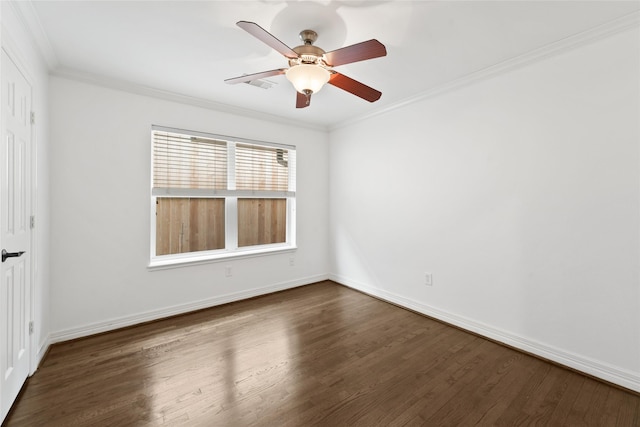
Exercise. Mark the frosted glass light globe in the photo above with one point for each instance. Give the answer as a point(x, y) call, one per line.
point(307, 77)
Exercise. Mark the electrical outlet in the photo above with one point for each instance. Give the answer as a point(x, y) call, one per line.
point(292, 261)
point(227, 271)
point(428, 279)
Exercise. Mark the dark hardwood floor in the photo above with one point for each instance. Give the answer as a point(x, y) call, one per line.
point(317, 355)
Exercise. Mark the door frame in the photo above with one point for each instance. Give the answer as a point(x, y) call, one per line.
point(13, 53)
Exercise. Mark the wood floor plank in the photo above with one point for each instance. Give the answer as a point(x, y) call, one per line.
point(628, 411)
point(316, 355)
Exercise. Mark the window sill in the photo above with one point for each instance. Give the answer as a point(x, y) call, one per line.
point(179, 261)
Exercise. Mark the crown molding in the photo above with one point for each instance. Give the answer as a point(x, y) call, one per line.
point(26, 13)
point(28, 16)
point(600, 32)
point(138, 89)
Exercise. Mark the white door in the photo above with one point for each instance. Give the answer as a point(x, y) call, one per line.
point(15, 233)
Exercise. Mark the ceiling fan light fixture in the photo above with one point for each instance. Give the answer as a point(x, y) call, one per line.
point(308, 77)
point(310, 67)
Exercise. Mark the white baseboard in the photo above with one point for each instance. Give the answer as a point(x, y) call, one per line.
point(621, 377)
point(615, 375)
point(111, 324)
point(40, 353)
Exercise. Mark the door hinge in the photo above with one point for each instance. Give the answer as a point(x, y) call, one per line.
point(33, 118)
point(31, 327)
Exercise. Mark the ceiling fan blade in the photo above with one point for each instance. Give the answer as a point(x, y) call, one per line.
point(302, 101)
point(266, 37)
point(356, 52)
point(354, 87)
point(255, 76)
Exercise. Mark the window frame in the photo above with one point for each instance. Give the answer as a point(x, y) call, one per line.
point(231, 196)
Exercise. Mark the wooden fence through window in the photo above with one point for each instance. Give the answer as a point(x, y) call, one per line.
point(198, 224)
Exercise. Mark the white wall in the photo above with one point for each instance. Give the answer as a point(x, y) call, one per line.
point(520, 193)
point(100, 179)
point(21, 48)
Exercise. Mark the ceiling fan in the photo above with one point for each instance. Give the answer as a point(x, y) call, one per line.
point(311, 67)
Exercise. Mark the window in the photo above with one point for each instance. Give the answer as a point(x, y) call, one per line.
point(214, 197)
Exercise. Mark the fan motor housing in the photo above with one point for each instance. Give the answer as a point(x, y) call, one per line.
point(308, 54)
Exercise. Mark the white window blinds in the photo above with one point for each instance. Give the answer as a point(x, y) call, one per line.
point(189, 162)
point(262, 168)
point(196, 164)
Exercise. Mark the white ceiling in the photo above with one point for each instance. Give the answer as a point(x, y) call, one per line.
point(189, 48)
